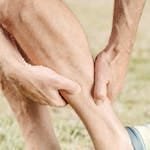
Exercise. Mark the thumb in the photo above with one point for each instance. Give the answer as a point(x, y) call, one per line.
point(56, 99)
point(68, 85)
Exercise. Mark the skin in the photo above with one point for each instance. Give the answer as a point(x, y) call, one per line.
point(112, 63)
point(46, 81)
point(33, 118)
point(51, 59)
point(29, 22)
point(21, 83)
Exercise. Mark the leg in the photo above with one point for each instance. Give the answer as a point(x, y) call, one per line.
point(64, 48)
point(50, 35)
point(33, 119)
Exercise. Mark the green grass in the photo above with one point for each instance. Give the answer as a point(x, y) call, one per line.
point(132, 105)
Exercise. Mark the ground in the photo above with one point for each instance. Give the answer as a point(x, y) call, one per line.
point(132, 106)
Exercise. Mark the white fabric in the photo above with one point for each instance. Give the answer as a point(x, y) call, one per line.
point(145, 133)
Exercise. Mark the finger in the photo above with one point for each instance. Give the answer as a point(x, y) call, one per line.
point(58, 81)
point(56, 99)
point(100, 90)
point(101, 81)
point(67, 85)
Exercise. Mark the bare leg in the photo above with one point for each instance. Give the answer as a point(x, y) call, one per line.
point(50, 35)
point(33, 118)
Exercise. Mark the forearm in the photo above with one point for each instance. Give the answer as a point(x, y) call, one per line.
point(126, 18)
point(112, 70)
point(112, 63)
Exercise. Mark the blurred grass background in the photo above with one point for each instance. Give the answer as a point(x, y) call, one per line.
point(133, 104)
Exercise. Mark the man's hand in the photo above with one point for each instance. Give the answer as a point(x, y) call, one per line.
point(41, 84)
point(47, 33)
point(110, 71)
point(111, 64)
point(38, 83)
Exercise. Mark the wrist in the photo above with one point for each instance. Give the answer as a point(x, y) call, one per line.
point(115, 51)
point(11, 68)
point(122, 41)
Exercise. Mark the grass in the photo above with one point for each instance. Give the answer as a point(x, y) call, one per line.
point(132, 105)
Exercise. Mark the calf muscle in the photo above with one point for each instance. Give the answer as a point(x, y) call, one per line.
point(33, 118)
point(50, 36)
